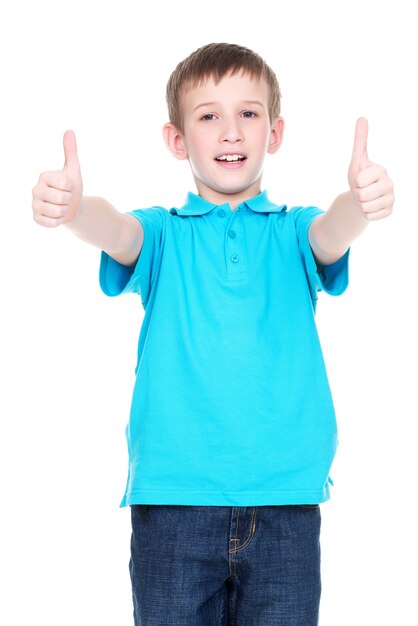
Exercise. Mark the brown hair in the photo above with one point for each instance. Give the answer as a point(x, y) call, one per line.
point(216, 60)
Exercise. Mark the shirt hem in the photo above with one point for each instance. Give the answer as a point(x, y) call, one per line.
point(230, 498)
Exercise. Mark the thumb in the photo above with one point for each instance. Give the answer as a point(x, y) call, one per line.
point(70, 151)
point(359, 158)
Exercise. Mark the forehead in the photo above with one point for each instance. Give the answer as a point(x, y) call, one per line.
point(237, 87)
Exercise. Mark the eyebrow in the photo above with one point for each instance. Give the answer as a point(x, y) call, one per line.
point(249, 102)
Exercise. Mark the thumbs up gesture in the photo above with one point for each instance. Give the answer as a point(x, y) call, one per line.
point(57, 196)
point(369, 182)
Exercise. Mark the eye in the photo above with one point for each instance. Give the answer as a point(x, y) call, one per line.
point(249, 114)
point(208, 117)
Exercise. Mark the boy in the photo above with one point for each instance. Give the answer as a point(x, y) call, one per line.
point(232, 429)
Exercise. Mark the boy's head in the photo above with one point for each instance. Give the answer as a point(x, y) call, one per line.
point(217, 60)
point(224, 107)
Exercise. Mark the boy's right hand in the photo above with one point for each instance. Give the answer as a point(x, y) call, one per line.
point(57, 196)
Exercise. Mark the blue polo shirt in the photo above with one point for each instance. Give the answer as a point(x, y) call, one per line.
point(231, 404)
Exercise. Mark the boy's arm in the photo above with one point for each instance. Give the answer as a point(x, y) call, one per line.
point(97, 222)
point(370, 198)
point(58, 199)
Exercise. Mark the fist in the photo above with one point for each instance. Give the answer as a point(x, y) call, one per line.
point(57, 196)
point(369, 182)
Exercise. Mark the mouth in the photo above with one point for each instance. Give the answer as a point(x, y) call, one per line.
point(230, 158)
point(233, 161)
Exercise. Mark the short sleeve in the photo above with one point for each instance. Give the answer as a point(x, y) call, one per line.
point(333, 278)
point(116, 278)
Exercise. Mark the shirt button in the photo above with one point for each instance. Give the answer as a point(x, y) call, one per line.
point(221, 213)
point(234, 258)
point(232, 234)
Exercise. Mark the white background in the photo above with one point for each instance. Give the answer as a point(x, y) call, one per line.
point(68, 352)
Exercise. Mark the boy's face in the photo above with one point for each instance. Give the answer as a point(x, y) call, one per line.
point(226, 135)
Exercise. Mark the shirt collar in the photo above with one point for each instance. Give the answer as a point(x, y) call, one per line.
point(196, 205)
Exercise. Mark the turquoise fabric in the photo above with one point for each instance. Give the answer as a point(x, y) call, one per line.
point(231, 404)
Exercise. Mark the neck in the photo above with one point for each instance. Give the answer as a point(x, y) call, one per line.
point(215, 196)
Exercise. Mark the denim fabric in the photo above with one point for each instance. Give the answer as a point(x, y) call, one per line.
point(225, 566)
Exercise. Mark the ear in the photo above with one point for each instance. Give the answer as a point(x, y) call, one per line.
point(276, 135)
point(174, 140)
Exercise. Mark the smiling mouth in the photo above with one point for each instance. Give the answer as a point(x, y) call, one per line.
point(231, 158)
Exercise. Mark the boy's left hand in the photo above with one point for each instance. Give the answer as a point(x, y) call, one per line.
point(369, 182)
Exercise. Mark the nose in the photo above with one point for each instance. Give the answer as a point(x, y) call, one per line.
point(231, 131)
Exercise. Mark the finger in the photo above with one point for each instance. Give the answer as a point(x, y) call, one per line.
point(70, 151)
point(56, 180)
point(372, 192)
point(380, 204)
point(48, 222)
point(360, 157)
point(54, 196)
point(373, 173)
point(378, 215)
point(47, 209)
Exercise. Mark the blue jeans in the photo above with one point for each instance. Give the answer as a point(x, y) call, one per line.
point(225, 566)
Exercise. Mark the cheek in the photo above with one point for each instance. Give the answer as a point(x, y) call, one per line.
point(199, 148)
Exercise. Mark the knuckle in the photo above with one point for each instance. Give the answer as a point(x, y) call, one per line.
point(362, 195)
point(36, 191)
point(361, 180)
point(64, 183)
point(366, 207)
point(57, 212)
point(35, 206)
point(44, 178)
point(62, 197)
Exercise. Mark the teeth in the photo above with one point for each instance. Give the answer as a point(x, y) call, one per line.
point(230, 157)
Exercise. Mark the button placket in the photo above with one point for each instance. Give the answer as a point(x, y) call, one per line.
point(234, 242)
